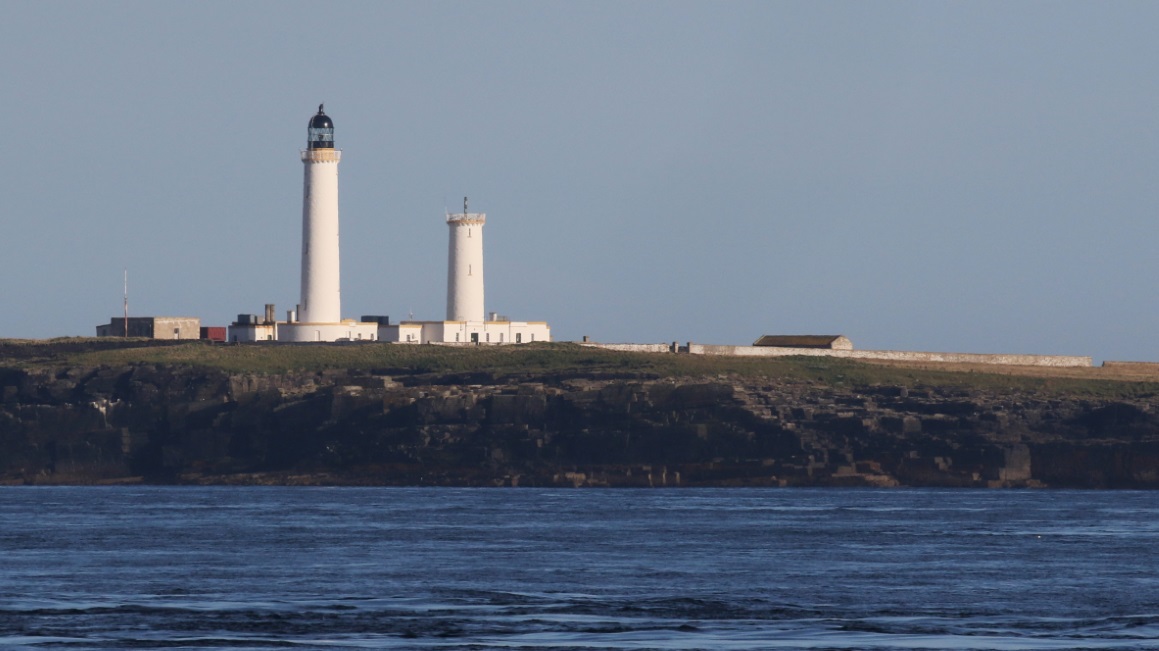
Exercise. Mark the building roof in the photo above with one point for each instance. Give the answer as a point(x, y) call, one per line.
point(321, 120)
point(801, 341)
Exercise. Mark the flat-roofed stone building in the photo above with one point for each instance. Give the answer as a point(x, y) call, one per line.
point(152, 327)
point(830, 342)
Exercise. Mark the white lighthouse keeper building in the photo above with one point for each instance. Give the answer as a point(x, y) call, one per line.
point(319, 315)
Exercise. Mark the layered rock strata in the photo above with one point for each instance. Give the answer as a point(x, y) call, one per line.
point(160, 424)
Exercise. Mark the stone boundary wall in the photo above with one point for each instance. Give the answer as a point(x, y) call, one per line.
point(1134, 366)
point(633, 348)
point(463, 344)
point(898, 355)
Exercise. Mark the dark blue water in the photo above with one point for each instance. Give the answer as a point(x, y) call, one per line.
point(273, 568)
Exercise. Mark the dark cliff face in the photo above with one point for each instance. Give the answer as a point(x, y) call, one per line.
point(167, 424)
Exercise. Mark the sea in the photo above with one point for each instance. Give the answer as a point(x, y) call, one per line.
point(526, 568)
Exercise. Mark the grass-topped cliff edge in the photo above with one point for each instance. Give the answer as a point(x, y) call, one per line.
point(87, 410)
point(566, 358)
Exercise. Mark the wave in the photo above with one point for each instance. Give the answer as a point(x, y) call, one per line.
point(502, 619)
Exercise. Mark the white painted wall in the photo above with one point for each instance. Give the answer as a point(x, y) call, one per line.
point(342, 331)
point(409, 332)
point(250, 332)
point(321, 296)
point(460, 332)
point(526, 332)
point(465, 267)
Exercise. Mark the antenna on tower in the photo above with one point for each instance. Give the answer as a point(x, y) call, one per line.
point(464, 206)
point(126, 302)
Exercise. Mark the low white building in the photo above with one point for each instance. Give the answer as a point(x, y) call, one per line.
point(496, 331)
point(250, 327)
point(298, 332)
point(347, 330)
point(243, 332)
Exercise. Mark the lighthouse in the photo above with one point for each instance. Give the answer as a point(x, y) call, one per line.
point(319, 314)
point(465, 266)
point(321, 297)
point(466, 321)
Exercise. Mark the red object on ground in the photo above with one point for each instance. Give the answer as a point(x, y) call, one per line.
point(213, 333)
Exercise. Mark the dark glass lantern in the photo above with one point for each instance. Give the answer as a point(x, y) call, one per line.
point(321, 131)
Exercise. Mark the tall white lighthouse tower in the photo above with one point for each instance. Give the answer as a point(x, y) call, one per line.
point(321, 297)
point(465, 266)
point(319, 315)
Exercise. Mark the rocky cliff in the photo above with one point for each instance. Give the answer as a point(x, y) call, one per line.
point(177, 424)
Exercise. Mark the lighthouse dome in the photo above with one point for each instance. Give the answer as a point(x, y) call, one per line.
point(321, 131)
point(321, 121)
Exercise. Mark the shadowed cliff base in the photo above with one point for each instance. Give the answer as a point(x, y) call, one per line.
point(86, 411)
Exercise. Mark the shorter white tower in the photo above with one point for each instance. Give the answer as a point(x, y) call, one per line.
point(465, 266)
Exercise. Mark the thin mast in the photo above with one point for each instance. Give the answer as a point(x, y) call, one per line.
point(126, 302)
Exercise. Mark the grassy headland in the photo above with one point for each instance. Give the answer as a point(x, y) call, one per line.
point(567, 359)
point(552, 414)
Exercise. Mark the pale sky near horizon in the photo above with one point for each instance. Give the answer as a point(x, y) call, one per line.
point(946, 176)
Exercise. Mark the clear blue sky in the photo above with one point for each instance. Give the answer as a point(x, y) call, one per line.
point(972, 177)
